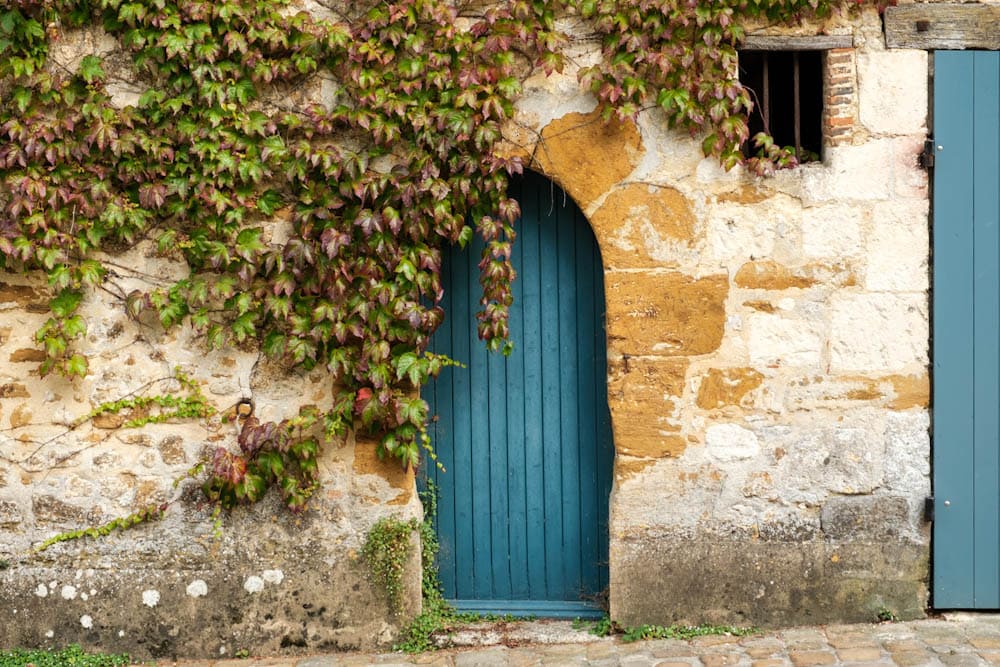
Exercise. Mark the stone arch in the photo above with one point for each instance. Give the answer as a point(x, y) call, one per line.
point(657, 316)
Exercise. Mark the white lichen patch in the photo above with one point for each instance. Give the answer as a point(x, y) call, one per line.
point(253, 584)
point(273, 576)
point(197, 588)
point(41, 591)
point(151, 598)
point(84, 596)
point(86, 621)
point(68, 592)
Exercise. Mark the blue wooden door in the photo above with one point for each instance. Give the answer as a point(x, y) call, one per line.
point(526, 440)
point(966, 428)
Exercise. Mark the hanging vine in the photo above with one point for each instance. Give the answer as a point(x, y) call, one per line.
point(399, 164)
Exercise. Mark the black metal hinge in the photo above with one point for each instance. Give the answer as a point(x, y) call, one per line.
point(929, 508)
point(926, 159)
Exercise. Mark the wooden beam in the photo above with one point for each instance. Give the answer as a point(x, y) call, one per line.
point(943, 26)
point(797, 42)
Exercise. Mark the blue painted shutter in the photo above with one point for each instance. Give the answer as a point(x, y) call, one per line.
point(967, 330)
point(526, 439)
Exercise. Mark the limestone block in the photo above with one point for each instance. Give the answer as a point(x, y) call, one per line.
point(667, 494)
point(908, 450)
point(850, 173)
point(810, 464)
point(50, 510)
point(10, 514)
point(644, 396)
point(776, 340)
point(28, 297)
point(736, 232)
point(172, 450)
point(909, 179)
point(898, 247)
point(724, 387)
point(73, 45)
point(865, 518)
point(665, 313)
point(672, 155)
point(892, 91)
point(731, 442)
point(873, 333)
point(711, 172)
point(832, 231)
point(682, 578)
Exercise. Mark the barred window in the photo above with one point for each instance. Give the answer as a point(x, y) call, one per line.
point(787, 90)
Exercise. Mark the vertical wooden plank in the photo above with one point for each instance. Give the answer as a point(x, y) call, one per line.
point(443, 404)
point(986, 290)
point(569, 407)
point(530, 278)
point(954, 362)
point(517, 470)
point(499, 477)
point(551, 417)
point(462, 472)
point(605, 441)
point(587, 392)
point(479, 402)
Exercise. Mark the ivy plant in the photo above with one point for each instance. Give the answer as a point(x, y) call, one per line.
point(371, 184)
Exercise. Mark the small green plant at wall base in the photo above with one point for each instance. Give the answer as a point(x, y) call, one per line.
point(71, 655)
point(387, 550)
point(606, 627)
point(682, 632)
point(437, 616)
point(885, 615)
point(599, 628)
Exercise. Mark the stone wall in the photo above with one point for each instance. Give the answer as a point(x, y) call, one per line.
point(768, 350)
point(768, 382)
point(263, 580)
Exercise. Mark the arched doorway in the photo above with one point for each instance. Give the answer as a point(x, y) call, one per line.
point(526, 440)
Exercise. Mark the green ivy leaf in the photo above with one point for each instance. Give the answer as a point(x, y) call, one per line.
point(269, 201)
point(66, 303)
point(248, 243)
point(76, 365)
point(90, 69)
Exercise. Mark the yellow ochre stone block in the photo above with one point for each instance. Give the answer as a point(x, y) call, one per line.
point(587, 155)
point(638, 225)
point(665, 313)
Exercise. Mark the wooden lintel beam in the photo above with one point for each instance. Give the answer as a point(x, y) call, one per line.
point(797, 42)
point(943, 26)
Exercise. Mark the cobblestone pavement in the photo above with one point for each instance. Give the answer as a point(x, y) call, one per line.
point(963, 639)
